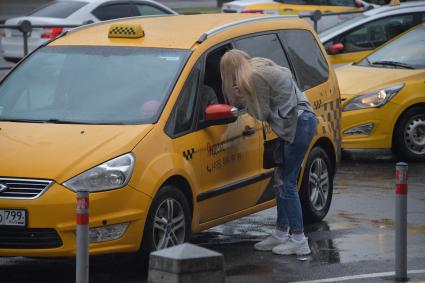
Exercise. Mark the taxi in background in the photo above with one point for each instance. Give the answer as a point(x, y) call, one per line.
point(384, 98)
point(354, 39)
point(132, 110)
point(294, 7)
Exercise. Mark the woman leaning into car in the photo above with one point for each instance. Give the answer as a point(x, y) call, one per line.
point(269, 93)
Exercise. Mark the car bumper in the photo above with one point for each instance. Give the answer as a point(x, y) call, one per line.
point(14, 47)
point(382, 121)
point(54, 211)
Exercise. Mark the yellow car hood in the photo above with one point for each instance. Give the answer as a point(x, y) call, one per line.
point(60, 152)
point(355, 80)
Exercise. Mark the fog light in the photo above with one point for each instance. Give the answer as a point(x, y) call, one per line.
point(107, 233)
point(365, 129)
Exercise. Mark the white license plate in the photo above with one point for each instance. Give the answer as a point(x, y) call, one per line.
point(16, 33)
point(13, 217)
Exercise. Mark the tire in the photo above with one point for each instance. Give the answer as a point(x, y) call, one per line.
point(409, 135)
point(316, 195)
point(160, 232)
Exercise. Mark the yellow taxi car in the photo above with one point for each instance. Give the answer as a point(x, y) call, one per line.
point(290, 7)
point(133, 111)
point(354, 39)
point(384, 98)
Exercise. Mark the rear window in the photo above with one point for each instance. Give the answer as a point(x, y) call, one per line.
point(58, 9)
point(310, 66)
point(91, 84)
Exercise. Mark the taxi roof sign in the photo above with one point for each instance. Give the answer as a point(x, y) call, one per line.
point(126, 31)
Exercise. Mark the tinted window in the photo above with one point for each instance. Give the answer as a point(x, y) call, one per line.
point(115, 11)
point(182, 118)
point(348, 3)
point(145, 10)
point(267, 46)
point(309, 64)
point(116, 85)
point(61, 9)
point(373, 34)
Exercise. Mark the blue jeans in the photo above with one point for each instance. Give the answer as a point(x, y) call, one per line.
point(289, 212)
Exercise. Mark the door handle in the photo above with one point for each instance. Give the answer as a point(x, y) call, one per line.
point(248, 131)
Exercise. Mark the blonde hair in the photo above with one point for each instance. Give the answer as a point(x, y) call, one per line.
point(235, 67)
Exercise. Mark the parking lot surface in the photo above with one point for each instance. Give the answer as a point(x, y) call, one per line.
point(355, 242)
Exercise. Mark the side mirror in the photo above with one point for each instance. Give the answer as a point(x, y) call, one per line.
point(358, 4)
point(336, 48)
point(220, 114)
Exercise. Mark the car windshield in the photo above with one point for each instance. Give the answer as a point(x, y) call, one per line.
point(407, 51)
point(344, 3)
point(91, 84)
point(340, 25)
point(58, 9)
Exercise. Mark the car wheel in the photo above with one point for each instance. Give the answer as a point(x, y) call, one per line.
point(409, 139)
point(169, 221)
point(317, 186)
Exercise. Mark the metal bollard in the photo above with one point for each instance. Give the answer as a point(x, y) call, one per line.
point(82, 262)
point(401, 222)
point(25, 27)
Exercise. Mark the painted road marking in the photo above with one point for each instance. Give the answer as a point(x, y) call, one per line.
point(360, 276)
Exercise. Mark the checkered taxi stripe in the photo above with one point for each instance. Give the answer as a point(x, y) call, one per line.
point(330, 112)
point(188, 154)
point(126, 31)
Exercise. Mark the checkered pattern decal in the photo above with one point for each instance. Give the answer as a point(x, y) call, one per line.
point(188, 154)
point(330, 112)
point(129, 31)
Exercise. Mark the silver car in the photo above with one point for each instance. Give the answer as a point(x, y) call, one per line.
point(72, 12)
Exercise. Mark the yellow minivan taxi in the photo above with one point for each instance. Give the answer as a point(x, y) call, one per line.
point(133, 111)
point(384, 98)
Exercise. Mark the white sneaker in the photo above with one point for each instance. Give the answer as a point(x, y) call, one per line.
point(270, 242)
point(293, 247)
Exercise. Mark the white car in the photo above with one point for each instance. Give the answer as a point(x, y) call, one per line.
point(357, 37)
point(72, 12)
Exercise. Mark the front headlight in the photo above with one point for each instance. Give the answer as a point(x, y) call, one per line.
point(373, 99)
point(113, 174)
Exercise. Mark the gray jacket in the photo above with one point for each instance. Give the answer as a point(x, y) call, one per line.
point(279, 98)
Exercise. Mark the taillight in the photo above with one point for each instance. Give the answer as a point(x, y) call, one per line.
point(51, 32)
point(254, 11)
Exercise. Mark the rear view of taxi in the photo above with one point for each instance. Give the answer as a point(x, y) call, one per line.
point(133, 111)
point(384, 98)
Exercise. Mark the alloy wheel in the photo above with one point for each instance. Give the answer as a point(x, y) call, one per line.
point(169, 224)
point(319, 183)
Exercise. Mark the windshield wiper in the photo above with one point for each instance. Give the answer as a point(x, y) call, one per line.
point(52, 121)
point(393, 63)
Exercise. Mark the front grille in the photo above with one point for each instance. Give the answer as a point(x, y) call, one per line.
point(30, 238)
point(11, 188)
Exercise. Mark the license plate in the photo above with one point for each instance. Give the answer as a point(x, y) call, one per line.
point(16, 33)
point(13, 217)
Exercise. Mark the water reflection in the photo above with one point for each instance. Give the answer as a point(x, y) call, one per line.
point(236, 239)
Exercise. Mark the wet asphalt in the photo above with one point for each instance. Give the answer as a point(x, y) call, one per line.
point(356, 238)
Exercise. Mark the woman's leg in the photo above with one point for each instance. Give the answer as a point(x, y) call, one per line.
point(289, 205)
